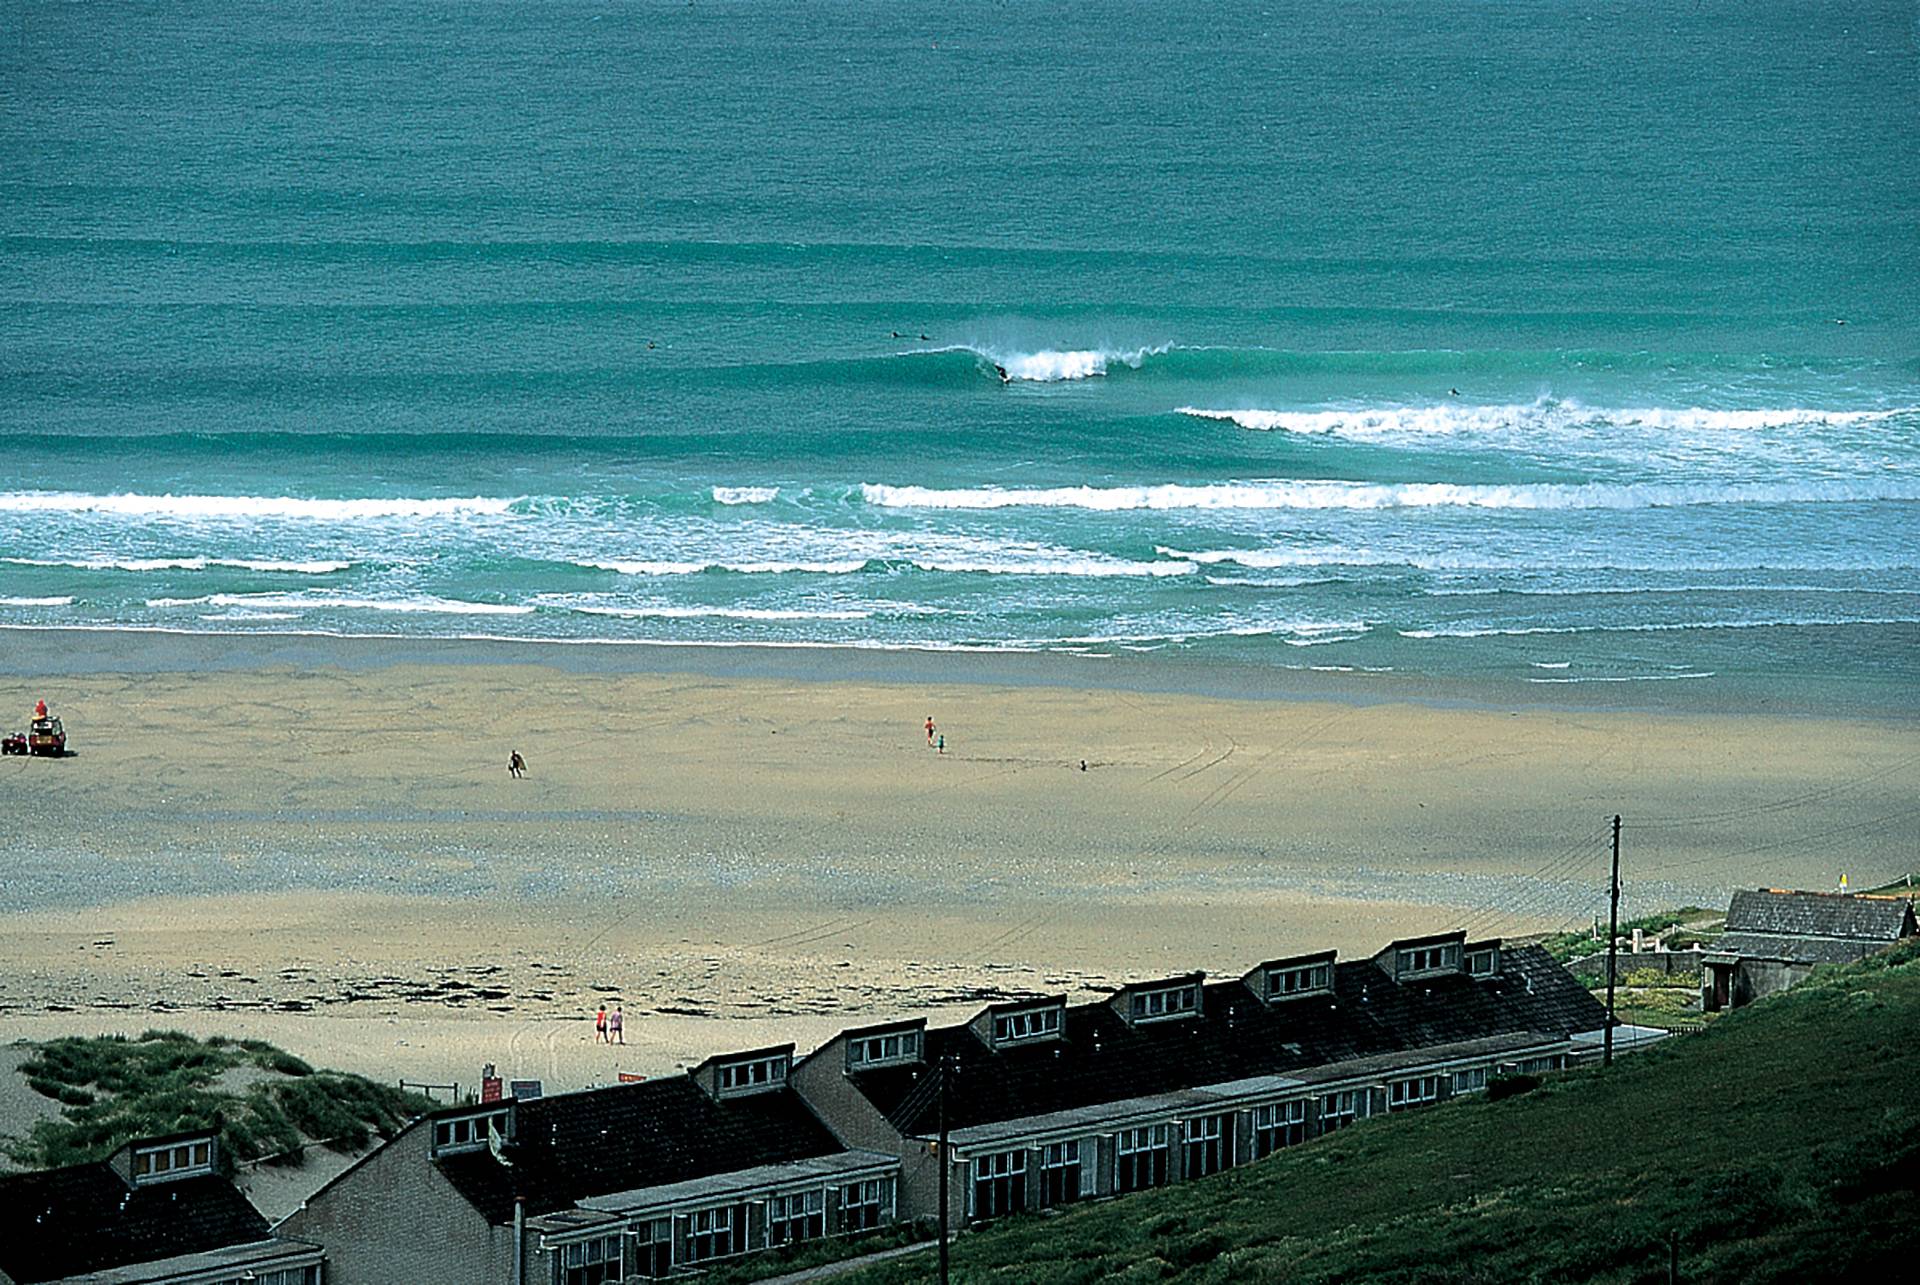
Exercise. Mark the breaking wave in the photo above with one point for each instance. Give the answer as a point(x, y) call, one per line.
point(1374, 495)
point(1373, 423)
point(36, 602)
point(245, 506)
point(745, 494)
point(421, 603)
point(314, 568)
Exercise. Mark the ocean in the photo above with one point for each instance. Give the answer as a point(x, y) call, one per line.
point(1528, 345)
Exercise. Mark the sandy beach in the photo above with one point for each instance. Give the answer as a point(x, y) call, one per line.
point(328, 851)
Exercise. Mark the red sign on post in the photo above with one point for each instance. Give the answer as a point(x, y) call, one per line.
point(628, 1077)
point(490, 1088)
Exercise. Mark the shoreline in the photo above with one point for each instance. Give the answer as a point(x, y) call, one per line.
point(92, 650)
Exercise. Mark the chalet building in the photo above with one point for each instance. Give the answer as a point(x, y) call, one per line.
point(1049, 1103)
point(640, 1180)
point(156, 1212)
point(1775, 939)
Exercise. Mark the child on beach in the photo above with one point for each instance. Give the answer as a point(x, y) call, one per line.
point(616, 1027)
point(600, 1025)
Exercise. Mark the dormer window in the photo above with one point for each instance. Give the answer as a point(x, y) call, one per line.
point(174, 1160)
point(1427, 958)
point(888, 1048)
point(468, 1133)
point(1164, 1003)
point(1311, 979)
point(1483, 961)
point(756, 1076)
point(1027, 1024)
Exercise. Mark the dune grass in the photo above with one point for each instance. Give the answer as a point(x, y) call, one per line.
point(113, 1089)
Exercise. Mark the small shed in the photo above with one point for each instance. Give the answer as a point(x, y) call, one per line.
point(1775, 938)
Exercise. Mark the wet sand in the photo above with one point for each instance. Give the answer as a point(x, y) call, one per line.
point(330, 854)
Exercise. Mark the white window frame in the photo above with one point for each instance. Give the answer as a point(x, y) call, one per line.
point(1010, 1166)
point(1470, 1079)
point(809, 1208)
point(877, 1194)
point(1272, 1123)
point(715, 1224)
point(750, 1077)
point(1342, 1107)
point(1416, 1091)
point(1142, 1141)
point(1304, 979)
point(175, 1160)
point(1079, 1154)
point(1026, 1024)
point(577, 1256)
point(1480, 963)
point(1165, 1003)
point(883, 1050)
point(1201, 1130)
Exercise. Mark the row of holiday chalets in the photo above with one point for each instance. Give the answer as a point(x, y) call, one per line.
point(1042, 1104)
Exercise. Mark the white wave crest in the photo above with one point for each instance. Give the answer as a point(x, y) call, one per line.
point(244, 507)
point(722, 613)
point(1372, 495)
point(420, 603)
point(1089, 566)
point(745, 494)
point(1052, 366)
point(1657, 627)
point(315, 568)
point(1375, 422)
point(633, 568)
point(36, 602)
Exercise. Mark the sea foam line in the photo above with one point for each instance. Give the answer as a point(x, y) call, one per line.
point(1518, 631)
point(242, 507)
point(36, 602)
point(1371, 495)
point(721, 613)
point(1367, 423)
point(424, 603)
point(313, 568)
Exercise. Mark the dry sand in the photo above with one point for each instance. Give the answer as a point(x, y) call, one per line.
point(333, 857)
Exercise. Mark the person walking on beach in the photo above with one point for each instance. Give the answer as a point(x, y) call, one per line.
point(600, 1025)
point(516, 766)
point(929, 731)
point(940, 744)
point(617, 1027)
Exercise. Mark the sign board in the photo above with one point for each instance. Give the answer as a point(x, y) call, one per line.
point(628, 1077)
point(523, 1090)
point(490, 1088)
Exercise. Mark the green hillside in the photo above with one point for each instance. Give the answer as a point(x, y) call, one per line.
point(1781, 1144)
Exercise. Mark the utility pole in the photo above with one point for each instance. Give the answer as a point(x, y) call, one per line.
point(1613, 942)
point(946, 1062)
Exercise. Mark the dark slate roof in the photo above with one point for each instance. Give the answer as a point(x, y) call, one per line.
point(1820, 914)
point(87, 1218)
point(574, 1145)
point(1099, 1058)
point(1798, 950)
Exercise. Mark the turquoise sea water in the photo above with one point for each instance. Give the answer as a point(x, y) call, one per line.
point(1496, 341)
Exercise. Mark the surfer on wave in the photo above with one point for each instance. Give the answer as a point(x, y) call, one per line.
point(1001, 371)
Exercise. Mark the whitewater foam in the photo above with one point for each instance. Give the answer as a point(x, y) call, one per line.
point(314, 568)
point(720, 613)
point(1052, 366)
point(631, 568)
point(1374, 423)
point(421, 603)
point(1374, 495)
point(745, 494)
point(245, 507)
point(36, 602)
point(1657, 627)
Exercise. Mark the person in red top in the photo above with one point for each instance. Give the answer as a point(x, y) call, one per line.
point(929, 731)
point(600, 1025)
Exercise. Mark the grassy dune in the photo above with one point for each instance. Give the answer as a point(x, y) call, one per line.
point(266, 1103)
